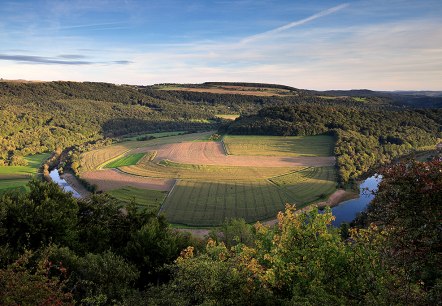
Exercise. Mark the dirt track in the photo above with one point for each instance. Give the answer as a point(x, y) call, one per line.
point(112, 179)
point(212, 153)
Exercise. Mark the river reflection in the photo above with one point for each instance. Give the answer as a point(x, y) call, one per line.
point(55, 176)
point(347, 211)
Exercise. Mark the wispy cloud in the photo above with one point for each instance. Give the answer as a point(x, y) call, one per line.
point(71, 56)
point(295, 23)
point(66, 59)
point(92, 25)
point(40, 60)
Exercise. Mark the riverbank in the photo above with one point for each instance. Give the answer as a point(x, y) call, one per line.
point(72, 180)
point(338, 197)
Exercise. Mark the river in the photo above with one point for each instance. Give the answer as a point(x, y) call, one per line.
point(347, 210)
point(55, 176)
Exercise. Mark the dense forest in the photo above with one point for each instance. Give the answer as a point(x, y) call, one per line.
point(39, 117)
point(365, 138)
point(57, 250)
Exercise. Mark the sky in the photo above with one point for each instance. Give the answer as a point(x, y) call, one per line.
point(374, 44)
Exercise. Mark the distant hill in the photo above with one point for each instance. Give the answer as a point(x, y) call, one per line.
point(417, 99)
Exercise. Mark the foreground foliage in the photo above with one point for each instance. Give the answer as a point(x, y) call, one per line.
point(57, 250)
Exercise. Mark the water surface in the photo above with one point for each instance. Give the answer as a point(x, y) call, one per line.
point(55, 176)
point(347, 210)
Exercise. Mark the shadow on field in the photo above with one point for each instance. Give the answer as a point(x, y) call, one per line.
point(196, 203)
point(124, 126)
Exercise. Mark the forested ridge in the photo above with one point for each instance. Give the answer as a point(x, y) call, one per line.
point(56, 250)
point(39, 117)
point(370, 130)
point(365, 138)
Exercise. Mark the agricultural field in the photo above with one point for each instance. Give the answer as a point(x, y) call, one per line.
point(307, 146)
point(232, 89)
point(94, 159)
point(127, 160)
point(144, 198)
point(198, 203)
point(308, 185)
point(172, 170)
point(227, 117)
point(17, 177)
point(206, 185)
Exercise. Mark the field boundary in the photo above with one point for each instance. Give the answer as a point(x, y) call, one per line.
point(226, 151)
point(101, 166)
point(167, 196)
point(288, 173)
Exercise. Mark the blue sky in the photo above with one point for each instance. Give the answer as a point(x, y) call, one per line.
point(383, 45)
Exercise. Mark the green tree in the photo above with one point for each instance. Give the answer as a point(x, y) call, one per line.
point(46, 214)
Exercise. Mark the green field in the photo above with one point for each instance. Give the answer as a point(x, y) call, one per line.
point(17, 177)
point(197, 203)
point(149, 199)
point(320, 145)
point(308, 185)
point(34, 162)
point(127, 160)
point(13, 184)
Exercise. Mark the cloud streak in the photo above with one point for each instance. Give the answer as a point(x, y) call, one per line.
point(295, 23)
point(71, 59)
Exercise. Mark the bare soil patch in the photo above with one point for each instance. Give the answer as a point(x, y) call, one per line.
point(212, 153)
point(337, 197)
point(113, 179)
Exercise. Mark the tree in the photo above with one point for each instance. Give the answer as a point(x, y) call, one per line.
point(46, 214)
point(407, 208)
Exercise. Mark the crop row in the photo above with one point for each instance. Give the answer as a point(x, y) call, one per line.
point(197, 203)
